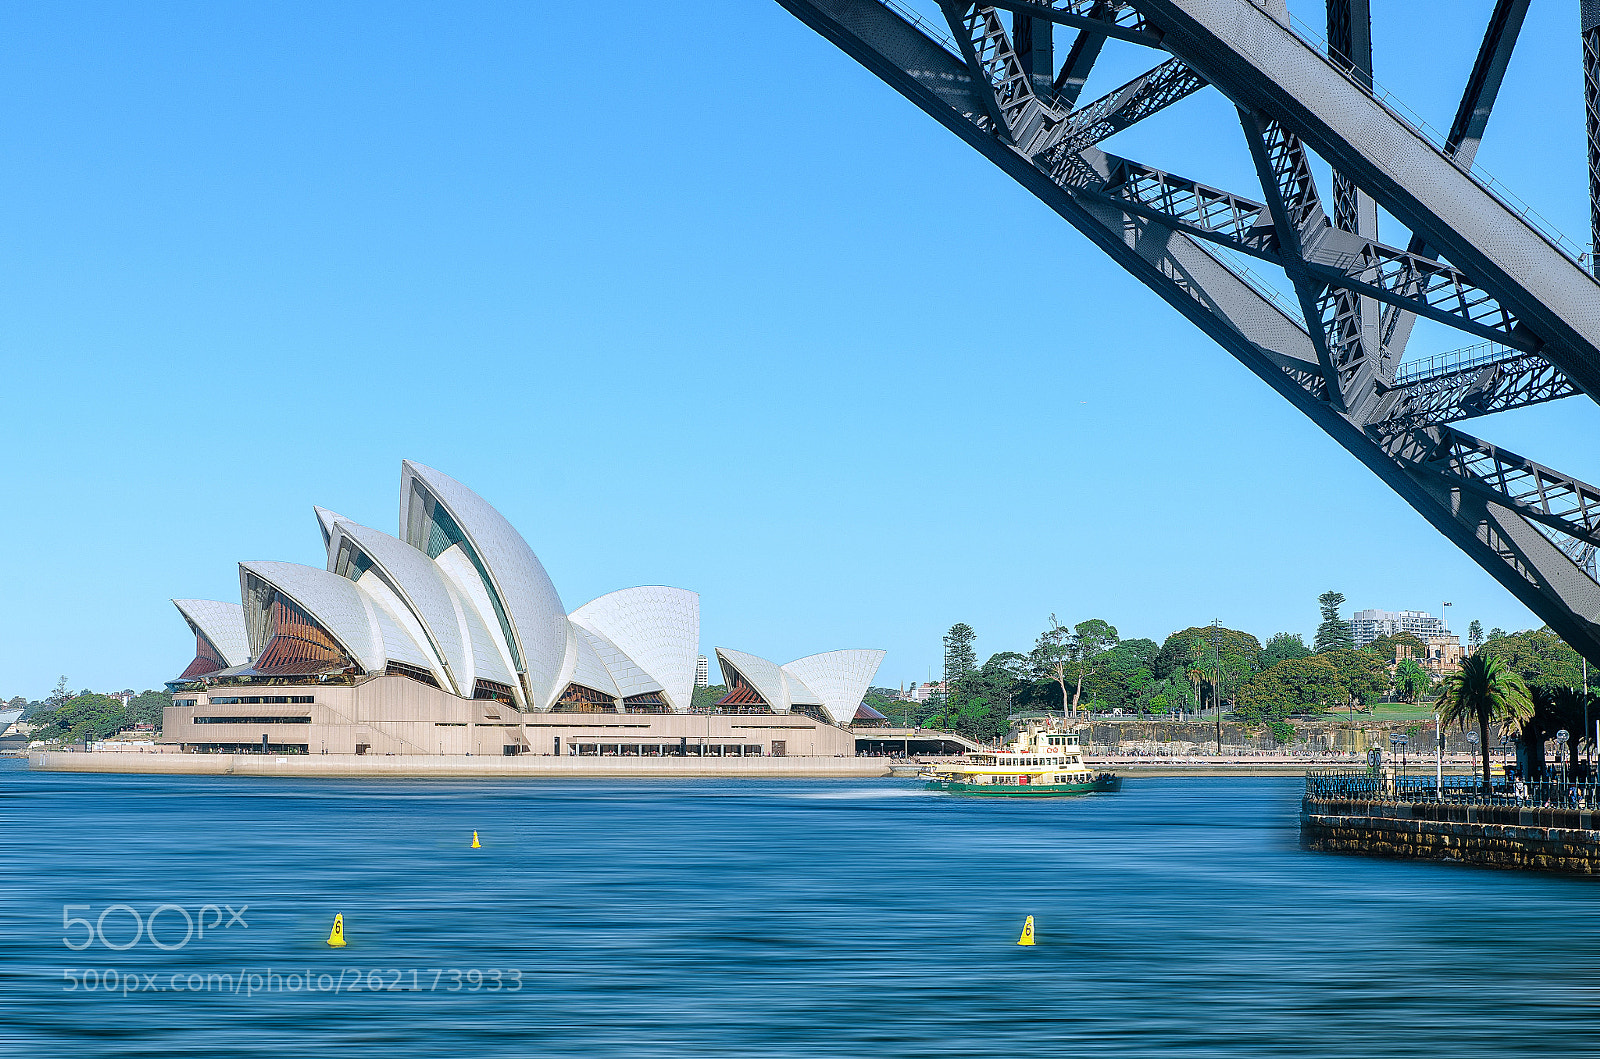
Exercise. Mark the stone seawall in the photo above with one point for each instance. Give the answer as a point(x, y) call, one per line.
point(347, 766)
point(1563, 840)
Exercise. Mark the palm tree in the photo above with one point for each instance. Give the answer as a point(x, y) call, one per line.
point(1484, 689)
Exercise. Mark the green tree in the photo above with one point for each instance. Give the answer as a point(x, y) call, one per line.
point(148, 707)
point(85, 716)
point(1263, 698)
point(1282, 647)
point(1334, 632)
point(1051, 656)
point(1539, 657)
point(1411, 681)
point(707, 697)
point(1365, 679)
point(959, 656)
point(1314, 683)
point(1295, 685)
point(1180, 651)
point(1553, 709)
point(1090, 639)
point(983, 706)
point(1122, 676)
point(1165, 696)
point(1484, 689)
point(1474, 635)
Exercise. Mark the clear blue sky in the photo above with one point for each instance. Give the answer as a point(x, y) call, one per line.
point(688, 295)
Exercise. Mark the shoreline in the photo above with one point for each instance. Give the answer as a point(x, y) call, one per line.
point(346, 766)
point(416, 766)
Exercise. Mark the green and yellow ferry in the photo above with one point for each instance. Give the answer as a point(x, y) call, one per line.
point(1042, 761)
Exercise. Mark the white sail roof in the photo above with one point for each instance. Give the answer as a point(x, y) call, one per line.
point(761, 674)
point(657, 628)
point(222, 624)
point(841, 678)
point(325, 521)
point(332, 601)
point(630, 679)
point(422, 588)
point(518, 582)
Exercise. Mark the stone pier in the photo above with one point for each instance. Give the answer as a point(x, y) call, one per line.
point(1498, 836)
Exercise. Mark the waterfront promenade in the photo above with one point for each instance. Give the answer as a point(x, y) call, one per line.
point(418, 766)
point(1540, 826)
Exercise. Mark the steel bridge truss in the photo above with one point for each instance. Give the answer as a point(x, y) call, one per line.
point(1471, 262)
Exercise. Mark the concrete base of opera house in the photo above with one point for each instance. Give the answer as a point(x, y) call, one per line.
point(419, 766)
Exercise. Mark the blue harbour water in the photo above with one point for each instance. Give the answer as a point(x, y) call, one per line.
point(757, 918)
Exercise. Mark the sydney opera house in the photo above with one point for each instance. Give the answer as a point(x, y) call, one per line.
point(451, 639)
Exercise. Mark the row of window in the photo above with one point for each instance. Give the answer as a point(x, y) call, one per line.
point(254, 700)
point(245, 748)
point(252, 720)
point(666, 750)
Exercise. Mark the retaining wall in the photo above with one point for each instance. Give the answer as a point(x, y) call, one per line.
point(1564, 840)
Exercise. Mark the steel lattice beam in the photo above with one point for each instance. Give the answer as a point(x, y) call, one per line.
point(1529, 526)
point(1516, 381)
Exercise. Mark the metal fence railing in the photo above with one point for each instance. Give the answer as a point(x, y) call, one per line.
point(1391, 785)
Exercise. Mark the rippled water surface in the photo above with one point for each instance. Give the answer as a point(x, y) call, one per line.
point(734, 918)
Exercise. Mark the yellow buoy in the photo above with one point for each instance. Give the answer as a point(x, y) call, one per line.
point(1027, 933)
point(336, 935)
point(475, 843)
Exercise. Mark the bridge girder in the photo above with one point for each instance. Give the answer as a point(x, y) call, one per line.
point(1471, 261)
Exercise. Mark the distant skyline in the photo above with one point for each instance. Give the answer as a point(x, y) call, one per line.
point(686, 324)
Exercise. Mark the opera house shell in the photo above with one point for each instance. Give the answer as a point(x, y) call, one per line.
point(451, 638)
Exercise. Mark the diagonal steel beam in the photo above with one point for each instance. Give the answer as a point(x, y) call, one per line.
point(1483, 84)
point(1034, 39)
point(1540, 493)
point(1204, 212)
point(1261, 63)
point(1333, 258)
point(1466, 133)
point(1080, 60)
point(1297, 216)
point(1350, 46)
point(1147, 94)
point(1227, 308)
point(991, 61)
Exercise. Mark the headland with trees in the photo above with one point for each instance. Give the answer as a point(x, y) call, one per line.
point(1088, 668)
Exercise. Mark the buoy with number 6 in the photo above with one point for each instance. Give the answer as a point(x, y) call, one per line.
point(475, 843)
point(1027, 933)
point(336, 935)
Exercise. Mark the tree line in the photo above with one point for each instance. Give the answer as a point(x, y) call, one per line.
point(1088, 666)
point(74, 716)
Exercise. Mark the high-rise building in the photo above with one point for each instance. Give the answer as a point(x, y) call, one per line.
point(702, 672)
point(1368, 625)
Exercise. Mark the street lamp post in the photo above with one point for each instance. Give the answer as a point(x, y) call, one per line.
point(1472, 737)
point(1561, 744)
point(1216, 689)
point(1438, 759)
